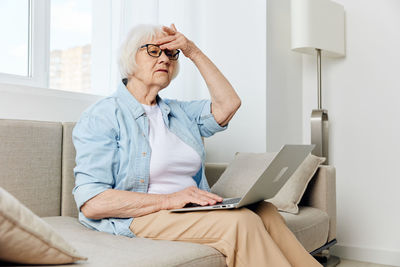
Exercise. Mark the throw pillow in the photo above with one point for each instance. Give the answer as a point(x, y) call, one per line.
point(25, 238)
point(288, 198)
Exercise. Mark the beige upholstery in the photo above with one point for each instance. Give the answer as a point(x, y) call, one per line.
point(310, 226)
point(30, 162)
point(68, 206)
point(213, 172)
point(321, 194)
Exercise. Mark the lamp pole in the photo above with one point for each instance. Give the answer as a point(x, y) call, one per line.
point(319, 120)
point(319, 77)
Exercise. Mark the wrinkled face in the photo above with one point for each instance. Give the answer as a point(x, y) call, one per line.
point(154, 70)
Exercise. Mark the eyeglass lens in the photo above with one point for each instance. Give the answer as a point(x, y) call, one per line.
point(155, 51)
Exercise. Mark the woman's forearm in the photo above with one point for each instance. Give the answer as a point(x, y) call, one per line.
point(125, 204)
point(225, 100)
point(122, 204)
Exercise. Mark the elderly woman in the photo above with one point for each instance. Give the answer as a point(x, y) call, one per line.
point(139, 155)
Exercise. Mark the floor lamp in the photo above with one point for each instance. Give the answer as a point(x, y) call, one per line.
point(317, 28)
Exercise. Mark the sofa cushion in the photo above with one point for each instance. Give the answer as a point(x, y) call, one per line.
point(26, 238)
point(30, 160)
point(103, 249)
point(310, 226)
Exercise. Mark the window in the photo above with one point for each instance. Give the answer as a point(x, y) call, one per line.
point(70, 45)
point(48, 44)
point(15, 43)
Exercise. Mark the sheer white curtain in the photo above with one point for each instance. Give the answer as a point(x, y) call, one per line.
point(112, 20)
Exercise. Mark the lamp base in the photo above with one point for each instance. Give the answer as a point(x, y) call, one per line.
point(326, 259)
point(320, 133)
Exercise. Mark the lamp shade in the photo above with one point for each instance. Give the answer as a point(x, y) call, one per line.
point(317, 24)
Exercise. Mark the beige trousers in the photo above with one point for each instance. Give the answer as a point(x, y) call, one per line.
point(253, 236)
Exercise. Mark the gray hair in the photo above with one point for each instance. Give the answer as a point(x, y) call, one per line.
point(135, 38)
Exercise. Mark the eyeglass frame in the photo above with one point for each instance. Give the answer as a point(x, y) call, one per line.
point(162, 50)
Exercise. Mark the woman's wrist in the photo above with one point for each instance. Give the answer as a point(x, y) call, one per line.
point(192, 51)
point(164, 201)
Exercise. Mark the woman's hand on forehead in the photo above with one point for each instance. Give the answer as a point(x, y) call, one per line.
point(176, 40)
point(170, 30)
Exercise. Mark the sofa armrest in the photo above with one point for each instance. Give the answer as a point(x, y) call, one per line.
point(213, 172)
point(321, 194)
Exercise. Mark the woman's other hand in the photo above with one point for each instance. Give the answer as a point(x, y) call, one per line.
point(191, 194)
point(176, 40)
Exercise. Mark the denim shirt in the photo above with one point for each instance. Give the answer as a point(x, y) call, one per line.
point(113, 149)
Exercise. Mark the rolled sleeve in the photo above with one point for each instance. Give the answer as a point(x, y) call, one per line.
point(85, 192)
point(200, 111)
point(114, 226)
point(208, 124)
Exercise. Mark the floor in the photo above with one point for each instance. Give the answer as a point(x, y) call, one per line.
point(332, 261)
point(351, 263)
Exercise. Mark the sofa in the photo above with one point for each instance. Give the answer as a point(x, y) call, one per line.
point(37, 160)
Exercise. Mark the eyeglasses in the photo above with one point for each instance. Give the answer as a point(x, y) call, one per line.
point(155, 51)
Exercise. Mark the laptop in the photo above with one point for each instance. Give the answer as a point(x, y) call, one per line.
point(281, 168)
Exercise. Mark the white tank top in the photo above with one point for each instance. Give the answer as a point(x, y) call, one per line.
point(173, 163)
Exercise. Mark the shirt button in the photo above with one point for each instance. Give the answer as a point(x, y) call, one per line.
point(141, 180)
point(144, 154)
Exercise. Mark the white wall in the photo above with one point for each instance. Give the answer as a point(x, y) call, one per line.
point(30, 103)
point(233, 31)
point(362, 94)
point(284, 80)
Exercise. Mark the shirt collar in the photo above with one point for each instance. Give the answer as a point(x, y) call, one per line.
point(125, 96)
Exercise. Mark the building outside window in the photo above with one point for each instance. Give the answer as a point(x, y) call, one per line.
point(70, 45)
